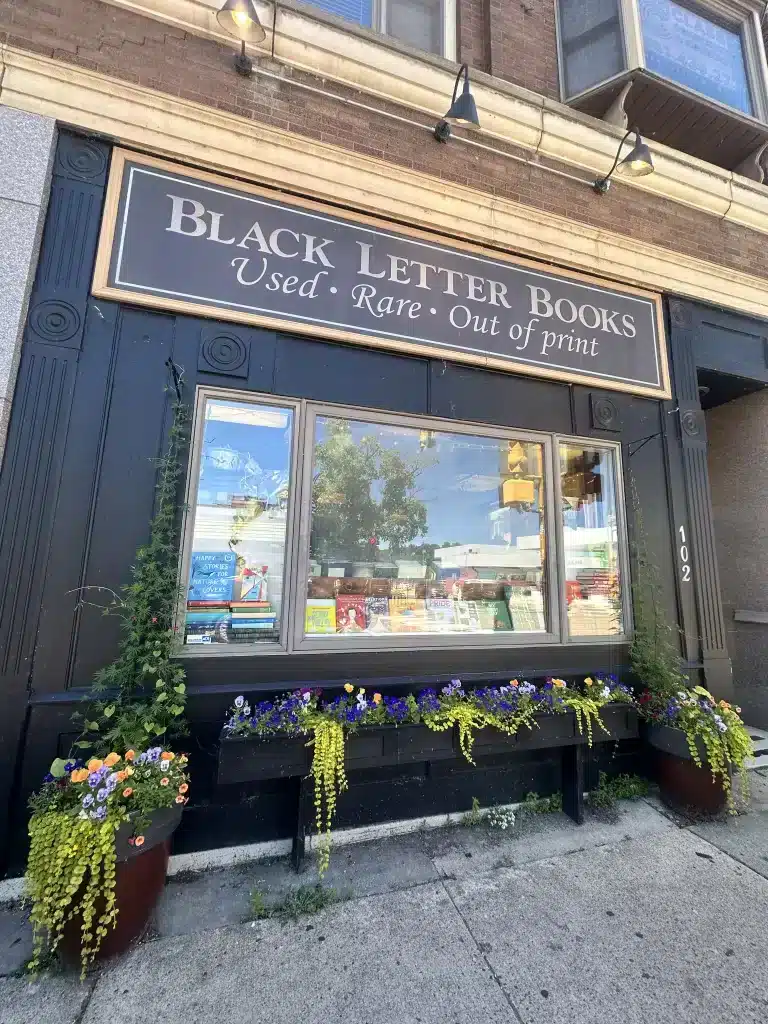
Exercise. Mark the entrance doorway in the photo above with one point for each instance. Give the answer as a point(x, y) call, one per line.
point(736, 411)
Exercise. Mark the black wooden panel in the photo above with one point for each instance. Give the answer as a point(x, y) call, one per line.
point(350, 375)
point(71, 526)
point(731, 344)
point(685, 332)
point(221, 355)
point(464, 393)
point(28, 490)
point(124, 493)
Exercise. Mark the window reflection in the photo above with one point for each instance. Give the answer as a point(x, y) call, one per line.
point(237, 562)
point(590, 541)
point(424, 532)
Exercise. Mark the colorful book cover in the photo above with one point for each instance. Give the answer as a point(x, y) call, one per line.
point(213, 605)
point(407, 616)
point(212, 576)
point(350, 613)
point(440, 615)
point(320, 616)
point(377, 615)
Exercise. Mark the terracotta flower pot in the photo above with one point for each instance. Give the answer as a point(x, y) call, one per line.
point(682, 783)
point(139, 880)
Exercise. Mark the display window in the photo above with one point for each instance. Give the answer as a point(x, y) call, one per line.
point(313, 527)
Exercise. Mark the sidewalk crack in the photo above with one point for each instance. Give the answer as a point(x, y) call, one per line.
point(86, 1003)
point(483, 954)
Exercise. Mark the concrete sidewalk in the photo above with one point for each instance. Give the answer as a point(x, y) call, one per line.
point(640, 919)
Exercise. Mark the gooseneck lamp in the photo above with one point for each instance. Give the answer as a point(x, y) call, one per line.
point(634, 165)
point(462, 110)
point(239, 19)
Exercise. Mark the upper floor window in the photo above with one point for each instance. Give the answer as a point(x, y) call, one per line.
point(426, 24)
point(692, 46)
point(691, 74)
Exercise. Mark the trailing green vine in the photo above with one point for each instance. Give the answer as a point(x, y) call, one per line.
point(141, 696)
point(330, 780)
point(71, 874)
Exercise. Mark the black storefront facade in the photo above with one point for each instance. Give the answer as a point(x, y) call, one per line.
point(92, 410)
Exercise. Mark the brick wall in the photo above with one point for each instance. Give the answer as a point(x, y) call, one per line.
point(523, 44)
point(136, 49)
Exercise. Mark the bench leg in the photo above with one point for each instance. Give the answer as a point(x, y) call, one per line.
point(303, 809)
point(573, 782)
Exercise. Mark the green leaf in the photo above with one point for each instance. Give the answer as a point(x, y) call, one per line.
point(181, 688)
point(108, 712)
point(149, 726)
point(83, 743)
point(92, 726)
point(159, 730)
point(161, 697)
point(57, 768)
point(176, 710)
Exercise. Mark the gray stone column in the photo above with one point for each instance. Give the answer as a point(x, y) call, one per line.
point(27, 143)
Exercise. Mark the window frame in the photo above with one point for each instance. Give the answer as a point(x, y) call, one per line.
point(732, 14)
point(394, 641)
point(623, 541)
point(204, 393)
point(292, 639)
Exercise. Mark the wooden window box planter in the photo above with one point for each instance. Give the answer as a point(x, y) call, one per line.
point(254, 759)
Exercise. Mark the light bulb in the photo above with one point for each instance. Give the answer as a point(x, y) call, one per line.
point(241, 18)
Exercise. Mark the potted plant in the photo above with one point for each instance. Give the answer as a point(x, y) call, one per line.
point(99, 846)
point(100, 825)
point(697, 741)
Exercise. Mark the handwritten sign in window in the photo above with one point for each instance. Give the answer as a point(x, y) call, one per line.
point(691, 49)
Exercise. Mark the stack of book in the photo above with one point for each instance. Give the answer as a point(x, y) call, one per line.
point(206, 622)
point(252, 621)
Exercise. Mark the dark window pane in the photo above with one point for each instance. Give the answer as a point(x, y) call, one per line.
point(424, 532)
point(591, 43)
point(354, 10)
point(418, 22)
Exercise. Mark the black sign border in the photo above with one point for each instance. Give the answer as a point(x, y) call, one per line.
point(101, 287)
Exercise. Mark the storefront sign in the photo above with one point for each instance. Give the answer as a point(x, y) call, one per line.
point(194, 242)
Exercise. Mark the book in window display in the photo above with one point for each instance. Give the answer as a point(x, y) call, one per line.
point(350, 613)
point(408, 616)
point(440, 615)
point(320, 616)
point(526, 609)
point(377, 615)
point(212, 576)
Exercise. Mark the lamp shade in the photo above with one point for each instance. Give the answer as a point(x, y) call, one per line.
point(463, 110)
point(638, 162)
point(239, 19)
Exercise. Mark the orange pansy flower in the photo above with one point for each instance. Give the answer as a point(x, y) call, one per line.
point(139, 841)
point(111, 759)
point(183, 787)
point(167, 756)
point(129, 755)
point(94, 764)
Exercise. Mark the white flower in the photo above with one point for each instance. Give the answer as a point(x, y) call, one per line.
point(306, 697)
point(361, 701)
point(239, 701)
point(606, 692)
point(165, 765)
point(246, 709)
point(682, 695)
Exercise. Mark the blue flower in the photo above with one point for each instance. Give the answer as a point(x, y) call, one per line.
point(102, 795)
point(154, 753)
point(94, 780)
point(87, 800)
point(70, 766)
point(99, 814)
point(48, 777)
